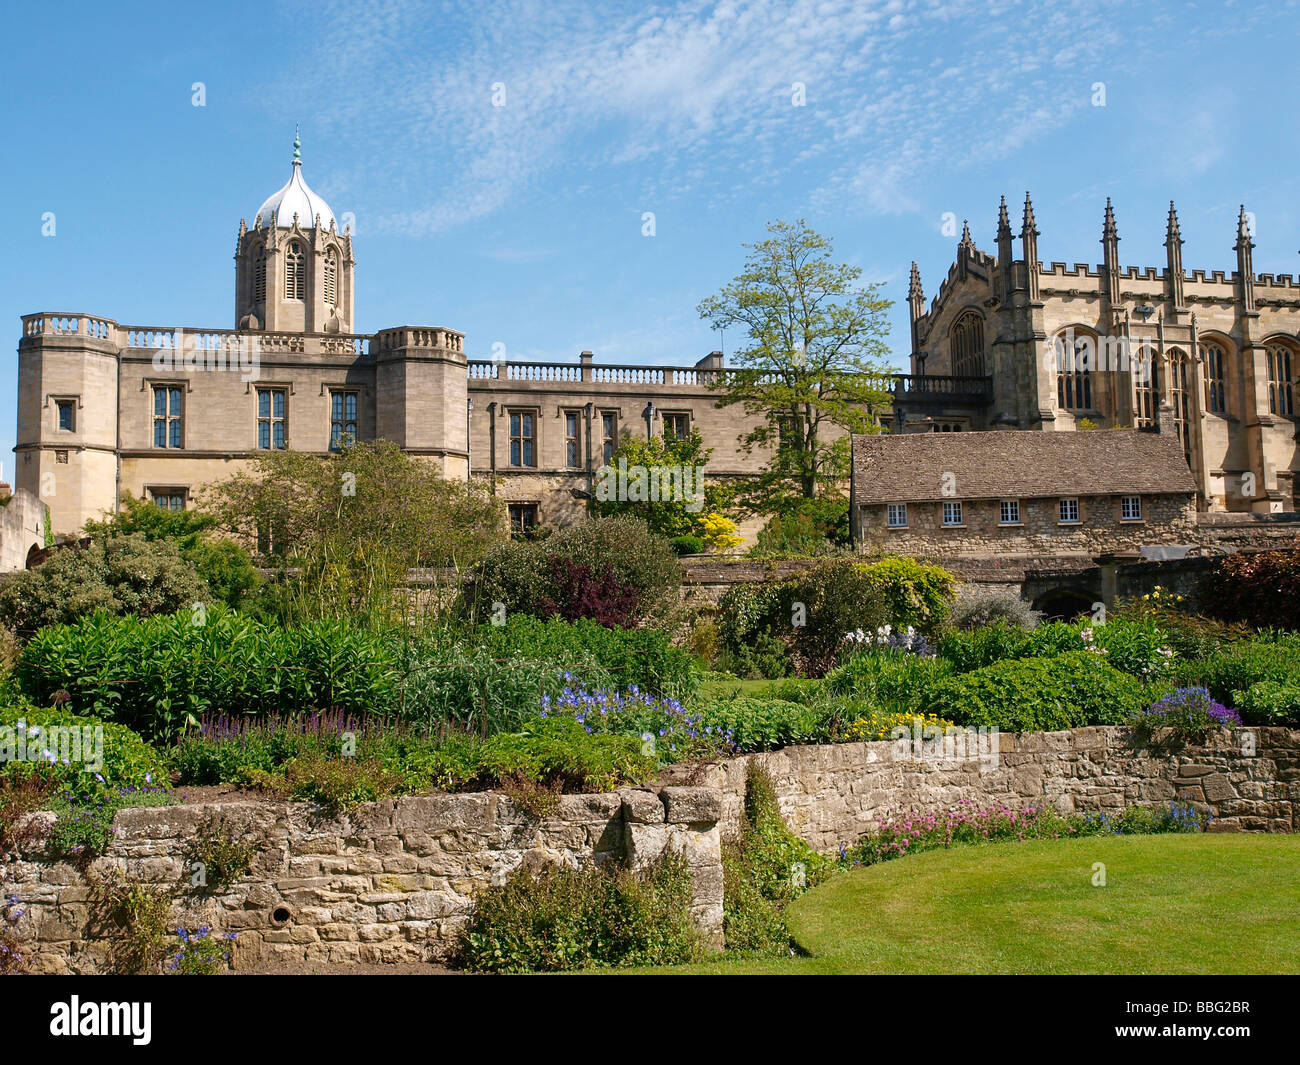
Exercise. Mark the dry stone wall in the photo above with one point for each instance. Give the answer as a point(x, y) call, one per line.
point(390, 881)
point(831, 795)
point(394, 881)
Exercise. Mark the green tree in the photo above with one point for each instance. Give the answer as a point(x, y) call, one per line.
point(353, 524)
point(681, 515)
point(119, 575)
point(226, 566)
point(812, 360)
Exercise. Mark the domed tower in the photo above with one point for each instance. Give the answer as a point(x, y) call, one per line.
point(293, 269)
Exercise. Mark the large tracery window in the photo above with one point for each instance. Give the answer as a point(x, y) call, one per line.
point(1216, 390)
point(968, 346)
point(1281, 385)
point(259, 274)
point(1180, 397)
point(295, 279)
point(331, 278)
point(1146, 380)
point(1074, 367)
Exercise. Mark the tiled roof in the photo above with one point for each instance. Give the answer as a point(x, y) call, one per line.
point(1017, 464)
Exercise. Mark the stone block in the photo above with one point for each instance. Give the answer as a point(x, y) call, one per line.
point(691, 805)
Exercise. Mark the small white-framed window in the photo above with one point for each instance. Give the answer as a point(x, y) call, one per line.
point(952, 514)
point(1069, 511)
point(897, 516)
point(1009, 512)
point(1130, 508)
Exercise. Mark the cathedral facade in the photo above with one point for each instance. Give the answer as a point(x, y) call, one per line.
point(107, 410)
point(1012, 342)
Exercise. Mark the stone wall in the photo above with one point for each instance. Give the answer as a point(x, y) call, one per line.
point(394, 881)
point(831, 795)
point(22, 527)
point(389, 882)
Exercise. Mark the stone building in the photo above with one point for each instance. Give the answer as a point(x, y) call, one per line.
point(106, 409)
point(989, 493)
point(1013, 342)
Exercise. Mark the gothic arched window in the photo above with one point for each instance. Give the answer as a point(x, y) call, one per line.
point(968, 345)
point(259, 274)
point(295, 281)
point(1146, 380)
point(331, 278)
point(1281, 383)
point(1180, 397)
point(1216, 388)
point(1074, 367)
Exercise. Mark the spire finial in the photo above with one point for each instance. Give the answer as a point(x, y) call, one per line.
point(1028, 225)
point(297, 155)
point(1171, 227)
point(965, 232)
point(1108, 230)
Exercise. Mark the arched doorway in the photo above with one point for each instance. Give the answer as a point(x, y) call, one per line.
point(1064, 604)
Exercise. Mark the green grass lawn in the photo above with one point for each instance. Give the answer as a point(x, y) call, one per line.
point(1171, 904)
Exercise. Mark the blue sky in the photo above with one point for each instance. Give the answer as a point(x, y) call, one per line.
point(522, 224)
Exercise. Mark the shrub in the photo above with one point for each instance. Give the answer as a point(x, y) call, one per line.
point(1242, 665)
point(12, 958)
point(910, 832)
point(133, 917)
point(973, 649)
point(20, 796)
point(689, 544)
point(1137, 647)
point(666, 729)
point(916, 595)
point(559, 751)
point(224, 565)
point(889, 681)
point(645, 658)
point(84, 828)
point(1260, 589)
point(156, 674)
point(217, 857)
point(880, 725)
point(305, 759)
point(335, 783)
point(761, 724)
point(978, 605)
point(805, 528)
point(482, 689)
point(199, 953)
point(747, 618)
point(127, 761)
point(831, 600)
point(1189, 714)
point(636, 570)
point(563, 919)
point(1048, 694)
point(122, 575)
point(1269, 702)
point(765, 868)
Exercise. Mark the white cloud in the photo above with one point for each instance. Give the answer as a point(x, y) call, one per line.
point(690, 96)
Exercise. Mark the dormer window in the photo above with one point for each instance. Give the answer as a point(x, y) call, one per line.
point(295, 279)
